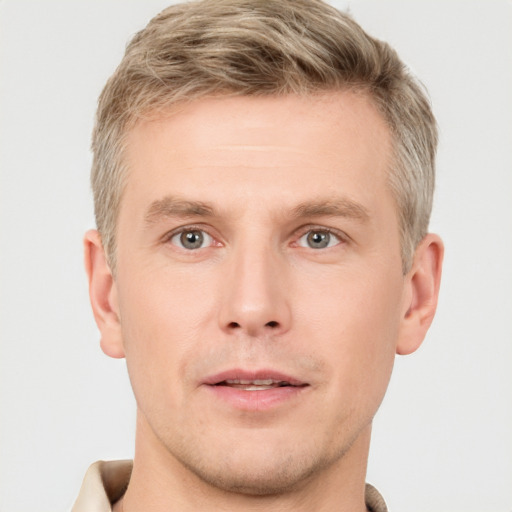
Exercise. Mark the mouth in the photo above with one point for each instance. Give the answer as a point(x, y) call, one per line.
point(256, 384)
point(254, 390)
point(256, 380)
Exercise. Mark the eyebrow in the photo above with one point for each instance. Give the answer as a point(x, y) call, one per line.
point(171, 206)
point(333, 208)
point(174, 207)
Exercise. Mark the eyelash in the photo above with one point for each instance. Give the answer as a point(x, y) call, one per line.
point(342, 238)
point(187, 229)
point(305, 230)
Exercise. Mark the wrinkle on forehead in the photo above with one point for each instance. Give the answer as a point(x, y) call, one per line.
point(239, 151)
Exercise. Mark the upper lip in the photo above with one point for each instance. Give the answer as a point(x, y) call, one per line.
point(253, 377)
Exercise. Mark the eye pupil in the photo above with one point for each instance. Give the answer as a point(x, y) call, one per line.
point(318, 239)
point(192, 239)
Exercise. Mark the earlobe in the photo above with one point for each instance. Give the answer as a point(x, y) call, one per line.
point(423, 281)
point(103, 295)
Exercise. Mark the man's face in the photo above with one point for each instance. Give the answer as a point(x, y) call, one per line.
point(259, 285)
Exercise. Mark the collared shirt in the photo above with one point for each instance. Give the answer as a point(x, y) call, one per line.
point(106, 482)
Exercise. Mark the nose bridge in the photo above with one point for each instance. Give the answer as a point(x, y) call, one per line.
point(255, 300)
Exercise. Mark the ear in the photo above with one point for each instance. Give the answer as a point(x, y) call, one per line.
point(421, 294)
point(103, 295)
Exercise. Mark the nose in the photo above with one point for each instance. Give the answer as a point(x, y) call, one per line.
point(255, 298)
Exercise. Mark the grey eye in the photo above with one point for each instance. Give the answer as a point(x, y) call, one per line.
point(192, 239)
point(318, 239)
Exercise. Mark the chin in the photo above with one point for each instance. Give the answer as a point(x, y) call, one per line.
point(273, 479)
point(266, 472)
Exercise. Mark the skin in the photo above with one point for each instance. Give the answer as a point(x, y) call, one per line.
point(268, 172)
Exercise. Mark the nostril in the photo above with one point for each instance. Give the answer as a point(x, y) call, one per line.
point(235, 325)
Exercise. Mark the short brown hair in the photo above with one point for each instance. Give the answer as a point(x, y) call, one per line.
point(263, 47)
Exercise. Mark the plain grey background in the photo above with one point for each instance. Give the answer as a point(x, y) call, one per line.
point(443, 437)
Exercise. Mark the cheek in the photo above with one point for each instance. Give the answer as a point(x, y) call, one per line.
point(164, 304)
point(163, 314)
point(355, 324)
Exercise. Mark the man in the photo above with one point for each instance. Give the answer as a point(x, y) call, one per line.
point(263, 176)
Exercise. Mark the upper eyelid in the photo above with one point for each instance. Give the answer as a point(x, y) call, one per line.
point(333, 231)
point(188, 227)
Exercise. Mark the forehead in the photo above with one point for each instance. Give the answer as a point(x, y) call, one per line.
point(265, 147)
point(254, 120)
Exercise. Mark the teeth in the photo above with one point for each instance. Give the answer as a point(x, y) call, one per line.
point(266, 382)
point(254, 385)
point(255, 388)
point(256, 382)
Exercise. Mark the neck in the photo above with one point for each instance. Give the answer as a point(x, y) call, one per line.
point(159, 482)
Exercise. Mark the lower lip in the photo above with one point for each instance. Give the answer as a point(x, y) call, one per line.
point(256, 400)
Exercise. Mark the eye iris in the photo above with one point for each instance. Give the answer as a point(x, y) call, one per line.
point(192, 239)
point(318, 239)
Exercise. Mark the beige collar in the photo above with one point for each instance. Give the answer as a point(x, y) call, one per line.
point(104, 483)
